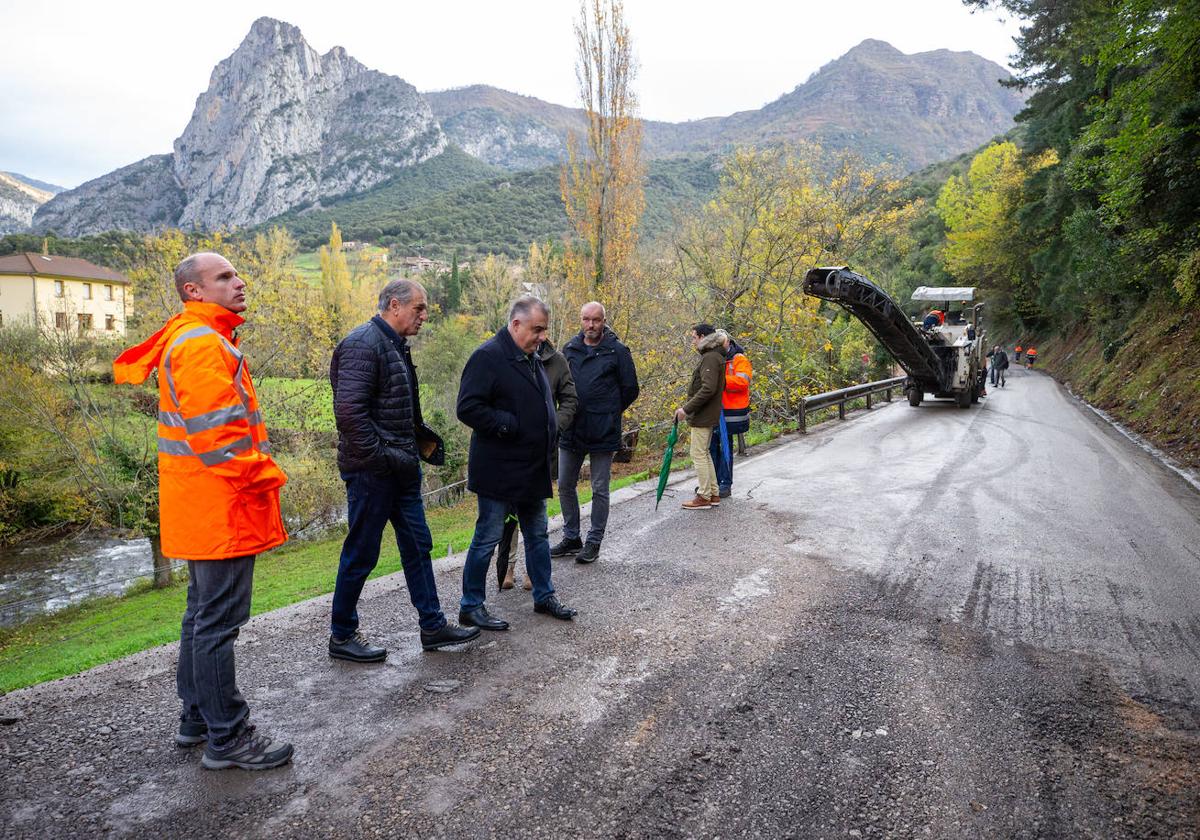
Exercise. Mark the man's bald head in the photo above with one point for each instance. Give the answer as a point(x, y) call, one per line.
point(592, 319)
point(206, 277)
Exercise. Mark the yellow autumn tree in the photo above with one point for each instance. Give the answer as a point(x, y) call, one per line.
point(983, 236)
point(741, 261)
point(601, 182)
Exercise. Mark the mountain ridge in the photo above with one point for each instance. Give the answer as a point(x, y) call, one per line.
point(282, 129)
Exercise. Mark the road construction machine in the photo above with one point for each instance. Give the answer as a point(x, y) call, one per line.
point(942, 353)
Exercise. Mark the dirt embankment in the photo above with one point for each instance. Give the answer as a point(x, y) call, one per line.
point(1148, 377)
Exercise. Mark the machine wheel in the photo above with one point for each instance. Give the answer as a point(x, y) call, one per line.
point(963, 398)
point(914, 397)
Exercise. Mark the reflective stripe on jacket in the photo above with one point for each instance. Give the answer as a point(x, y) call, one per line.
point(218, 494)
point(738, 373)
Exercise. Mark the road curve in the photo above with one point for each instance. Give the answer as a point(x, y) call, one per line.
point(922, 622)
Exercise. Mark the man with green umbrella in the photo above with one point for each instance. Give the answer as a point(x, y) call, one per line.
point(702, 411)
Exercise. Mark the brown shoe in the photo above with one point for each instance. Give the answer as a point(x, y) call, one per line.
point(715, 500)
point(698, 503)
point(528, 584)
point(508, 578)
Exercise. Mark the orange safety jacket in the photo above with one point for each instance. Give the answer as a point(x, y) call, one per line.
point(1032, 351)
point(218, 493)
point(738, 373)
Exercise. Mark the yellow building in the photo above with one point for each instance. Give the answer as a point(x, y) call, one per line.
point(64, 293)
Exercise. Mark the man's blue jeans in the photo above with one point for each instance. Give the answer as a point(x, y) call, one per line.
point(372, 502)
point(724, 468)
point(489, 527)
point(218, 603)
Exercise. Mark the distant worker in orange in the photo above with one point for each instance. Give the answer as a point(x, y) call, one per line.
point(1017, 353)
point(735, 411)
point(935, 318)
point(1030, 357)
point(218, 500)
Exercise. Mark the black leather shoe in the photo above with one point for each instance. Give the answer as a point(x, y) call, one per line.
point(448, 635)
point(590, 553)
point(481, 618)
point(356, 649)
point(566, 548)
point(553, 607)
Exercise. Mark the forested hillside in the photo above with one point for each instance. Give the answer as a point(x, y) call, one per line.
point(455, 202)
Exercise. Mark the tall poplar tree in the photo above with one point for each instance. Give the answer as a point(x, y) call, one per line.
point(601, 181)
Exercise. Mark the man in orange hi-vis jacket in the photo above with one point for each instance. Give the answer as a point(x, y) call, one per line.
point(218, 499)
point(735, 408)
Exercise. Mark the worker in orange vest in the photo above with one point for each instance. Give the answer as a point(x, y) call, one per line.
point(735, 408)
point(218, 500)
point(1030, 357)
point(1017, 353)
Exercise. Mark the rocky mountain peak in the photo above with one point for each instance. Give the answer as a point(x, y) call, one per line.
point(280, 126)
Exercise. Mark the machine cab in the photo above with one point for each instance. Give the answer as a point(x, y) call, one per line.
point(957, 314)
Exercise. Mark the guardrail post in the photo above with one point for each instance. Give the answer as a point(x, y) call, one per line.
point(868, 400)
point(803, 418)
point(841, 409)
point(741, 443)
point(888, 395)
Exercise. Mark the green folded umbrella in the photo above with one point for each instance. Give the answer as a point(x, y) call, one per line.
point(665, 472)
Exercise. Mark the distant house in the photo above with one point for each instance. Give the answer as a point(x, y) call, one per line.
point(64, 293)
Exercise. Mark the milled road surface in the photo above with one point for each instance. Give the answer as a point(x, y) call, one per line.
point(924, 622)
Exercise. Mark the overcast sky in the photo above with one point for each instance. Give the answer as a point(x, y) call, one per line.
point(86, 87)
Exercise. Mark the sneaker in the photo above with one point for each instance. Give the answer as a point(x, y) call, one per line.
point(448, 635)
point(725, 492)
point(249, 752)
point(589, 554)
point(566, 548)
point(192, 733)
point(356, 648)
point(698, 503)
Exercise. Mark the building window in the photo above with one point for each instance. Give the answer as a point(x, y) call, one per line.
point(87, 291)
point(110, 322)
point(58, 288)
point(60, 320)
point(108, 293)
point(85, 321)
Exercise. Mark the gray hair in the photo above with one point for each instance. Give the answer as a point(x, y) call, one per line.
point(401, 290)
point(523, 306)
point(188, 271)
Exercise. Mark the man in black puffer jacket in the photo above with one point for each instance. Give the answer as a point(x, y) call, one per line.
point(381, 437)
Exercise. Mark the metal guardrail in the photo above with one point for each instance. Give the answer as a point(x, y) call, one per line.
point(844, 395)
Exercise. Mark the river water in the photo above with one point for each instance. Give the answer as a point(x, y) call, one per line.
point(45, 577)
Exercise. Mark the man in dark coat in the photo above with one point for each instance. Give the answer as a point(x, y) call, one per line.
point(562, 386)
point(381, 436)
point(606, 382)
point(506, 399)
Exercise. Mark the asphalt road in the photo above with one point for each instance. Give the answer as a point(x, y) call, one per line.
point(926, 622)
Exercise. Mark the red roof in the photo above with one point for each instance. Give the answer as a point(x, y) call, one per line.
point(54, 266)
